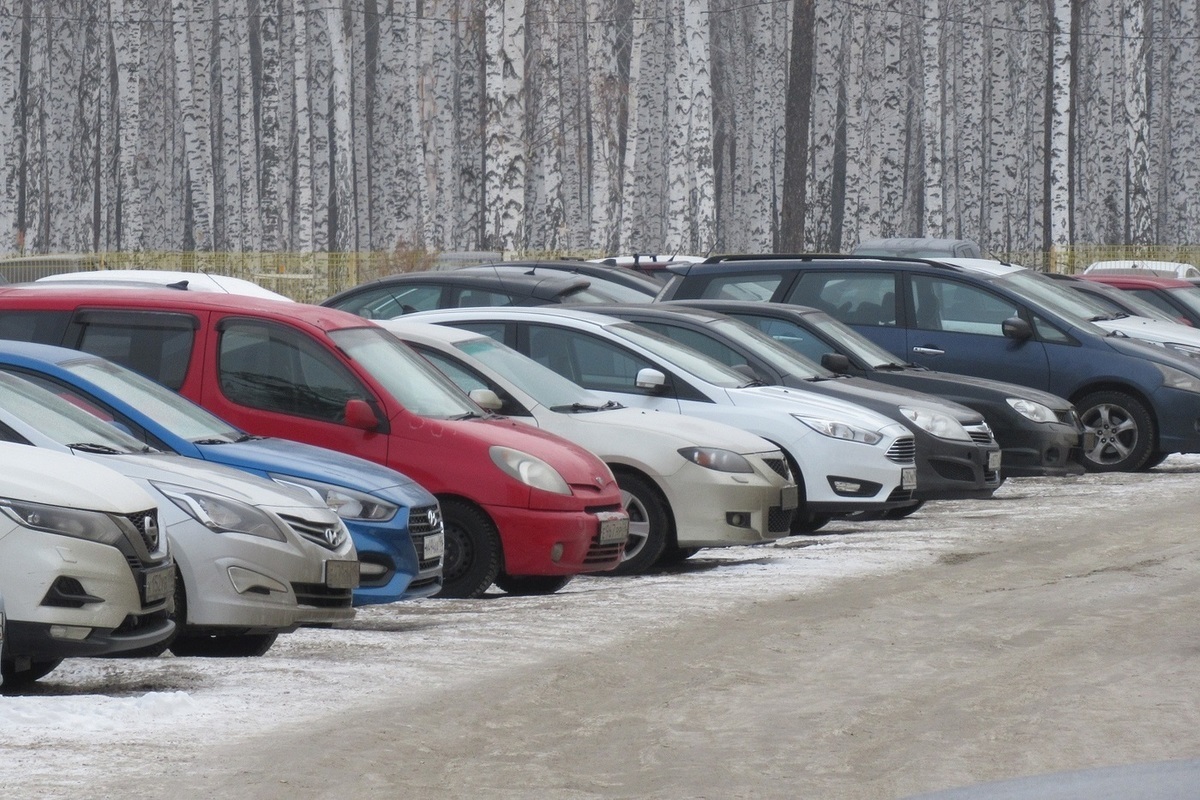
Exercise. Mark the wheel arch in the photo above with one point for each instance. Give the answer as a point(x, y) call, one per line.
point(628, 469)
point(1125, 388)
point(458, 498)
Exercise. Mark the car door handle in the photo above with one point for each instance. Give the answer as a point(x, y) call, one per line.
point(929, 351)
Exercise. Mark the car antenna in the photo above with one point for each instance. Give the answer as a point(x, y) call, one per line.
point(180, 285)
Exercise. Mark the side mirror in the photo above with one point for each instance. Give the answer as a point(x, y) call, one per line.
point(651, 379)
point(836, 362)
point(748, 371)
point(486, 398)
point(1016, 328)
point(359, 414)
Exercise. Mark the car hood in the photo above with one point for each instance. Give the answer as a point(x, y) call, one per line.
point(969, 385)
point(868, 391)
point(659, 429)
point(1151, 330)
point(798, 401)
point(95, 487)
point(285, 457)
point(576, 465)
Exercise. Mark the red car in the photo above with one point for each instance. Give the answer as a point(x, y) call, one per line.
point(523, 509)
point(1177, 297)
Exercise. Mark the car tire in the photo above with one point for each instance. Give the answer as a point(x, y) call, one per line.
point(245, 645)
point(15, 679)
point(531, 585)
point(903, 511)
point(1124, 431)
point(471, 562)
point(1156, 458)
point(808, 522)
point(674, 554)
point(649, 524)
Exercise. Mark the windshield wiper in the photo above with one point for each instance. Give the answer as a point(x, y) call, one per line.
point(248, 437)
point(210, 441)
point(578, 408)
point(93, 447)
point(472, 415)
point(1101, 318)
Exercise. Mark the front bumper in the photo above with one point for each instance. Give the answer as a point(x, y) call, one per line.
point(948, 470)
point(392, 557)
point(531, 539)
point(1048, 450)
point(720, 509)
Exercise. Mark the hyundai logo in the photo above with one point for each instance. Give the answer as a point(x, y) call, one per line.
point(150, 531)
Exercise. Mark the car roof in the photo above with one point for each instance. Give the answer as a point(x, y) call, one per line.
point(781, 309)
point(66, 296)
point(660, 310)
point(176, 279)
point(757, 263)
point(540, 286)
point(1137, 281)
point(920, 246)
point(1145, 267)
point(572, 313)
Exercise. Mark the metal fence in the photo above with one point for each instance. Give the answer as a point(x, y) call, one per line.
point(311, 277)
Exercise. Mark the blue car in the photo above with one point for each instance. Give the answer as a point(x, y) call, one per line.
point(395, 523)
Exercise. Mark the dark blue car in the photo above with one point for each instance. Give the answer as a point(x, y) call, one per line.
point(395, 522)
point(992, 320)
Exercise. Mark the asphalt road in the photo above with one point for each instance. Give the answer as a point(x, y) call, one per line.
point(1054, 630)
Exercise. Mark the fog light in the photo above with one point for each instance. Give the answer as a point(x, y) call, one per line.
point(246, 580)
point(846, 487)
point(738, 519)
point(367, 570)
point(556, 553)
point(69, 632)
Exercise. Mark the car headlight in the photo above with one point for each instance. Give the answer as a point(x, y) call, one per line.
point(1031, 410)
point(1178, 379)
point(717, 459)
point(348, 503)
point(222, 514)
point(529, 470)
point(94, 526)
point(936, 423)
point(840, 430)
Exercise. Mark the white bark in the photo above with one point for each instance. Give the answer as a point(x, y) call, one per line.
point(933, 70)
point(10, 65)
point(302, 192)
point(1060, 122)
point(504, 154)
point(272, 170)
point(629, 228)
point(191, 71)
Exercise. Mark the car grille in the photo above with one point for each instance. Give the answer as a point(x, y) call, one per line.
point(146, 524)
point(980, 434)
point(903, 450)
point(780, 467)
point(899, 495)
point(424, 520)
point(603, 553)
point(779, 520)
point(321, 596)
point(329, 536)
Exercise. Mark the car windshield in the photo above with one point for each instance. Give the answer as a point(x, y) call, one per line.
point(61, 420)
point(1118, 302)
point(780, 356)
point(851, 341)
point(175, 413)
point(541, 383)
point(1077, 307)
point(410, 379)
point(1189, 297)
point(680, 356)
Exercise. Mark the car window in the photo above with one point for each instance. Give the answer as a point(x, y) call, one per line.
point(743, 286)
point(469, 380)
point(585, 359)
point(713, 348)
point(858, 298)
point(46, 327)
point(389, 302)
point(272, 368)
point(789, 334)
point(492, 330)
point(473, 298)
point(158, 345)
point(1155, 299)
point(1048, 332)
point(949, 305)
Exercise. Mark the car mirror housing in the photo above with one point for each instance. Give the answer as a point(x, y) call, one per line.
point(651, 379)
point(1016, 328)
point(359, 414)
point(486, 398)
point(836, 362)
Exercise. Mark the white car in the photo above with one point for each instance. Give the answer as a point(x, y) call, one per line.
point(845, 458)
point(84, 569)
point(687, 483)
point(254, 558)
point(176, 279)
point(1169, 269)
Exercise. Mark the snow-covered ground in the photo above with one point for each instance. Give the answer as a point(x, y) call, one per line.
point(91, 716)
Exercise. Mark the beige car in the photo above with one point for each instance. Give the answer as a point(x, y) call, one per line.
point(687, 483)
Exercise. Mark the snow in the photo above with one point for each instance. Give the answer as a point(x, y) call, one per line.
point(97, 716)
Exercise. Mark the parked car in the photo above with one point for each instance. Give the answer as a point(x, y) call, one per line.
point(394, 522)
point(1137, 266)
point(83, 565)
point(845, 458)
point(957, 456)
point(1110, 301)
point(253, 558)
point(687, 483)
point(521, 508)
point(1040, 434)
point(991, 320)
point(1175, 297)
point(395, 295)
point(652, 265)
point(619, 284)
point(173, 279)
point(918, 247)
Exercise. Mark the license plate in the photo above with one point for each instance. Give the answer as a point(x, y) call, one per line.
point(908, 478)
point(158, 584)
point(789, 497)
point(614, 527)
point(341, 574)
point(994, 461)
point(433, 546)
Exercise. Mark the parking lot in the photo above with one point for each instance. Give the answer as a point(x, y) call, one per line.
point(1053, 627)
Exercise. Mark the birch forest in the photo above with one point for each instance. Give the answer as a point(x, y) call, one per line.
point(595, 126)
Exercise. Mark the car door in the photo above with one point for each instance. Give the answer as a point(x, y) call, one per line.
point(276, 380)
point(603, 366)
point(956, 326)
point(867, 300)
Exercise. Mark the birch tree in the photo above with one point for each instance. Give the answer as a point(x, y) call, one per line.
point(630, 228)
point(932, 109)
point(1057, 224)
point(191, 69)
point(11, 35)
point(690, 191)
point(272, 171)
point(1139, 215)
point(798, 113)
point(504, 155)
point(302, 200)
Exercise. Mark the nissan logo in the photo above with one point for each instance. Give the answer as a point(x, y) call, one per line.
point(331, 535)
point(150, 531)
